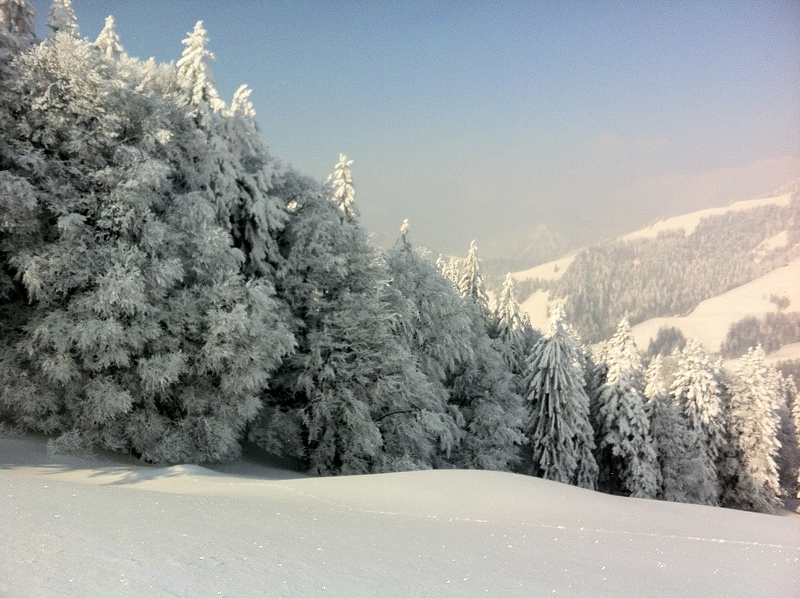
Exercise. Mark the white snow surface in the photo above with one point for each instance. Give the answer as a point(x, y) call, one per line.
point(107, 526)
point(710, 320)
point(549, 271)
point(689, 222)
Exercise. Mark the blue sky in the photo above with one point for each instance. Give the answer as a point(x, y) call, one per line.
point(486, 119)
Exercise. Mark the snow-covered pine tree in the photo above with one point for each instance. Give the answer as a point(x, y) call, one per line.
point(61, 18)
point(143, 336)
point(512, 328)
point(696, 391)
point(686, 473)
point(450, 269)
point(108, 42)
point(198, 138)
point(470, 283)
point(788, 459)
point(256, 213)
point(341, 182)
point(17, 29)
point(431, 313)
point(353, 390)
point(559, 430)
point(448, 335)
point(753, 424)
point(626, 456)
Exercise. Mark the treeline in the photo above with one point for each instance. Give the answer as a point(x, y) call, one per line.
point(772, 332)
point(170, 291)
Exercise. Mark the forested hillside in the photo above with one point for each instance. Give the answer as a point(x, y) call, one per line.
point(670, 273)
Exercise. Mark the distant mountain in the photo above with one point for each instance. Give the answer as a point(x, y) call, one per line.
point(700, 273)
point(517, 251)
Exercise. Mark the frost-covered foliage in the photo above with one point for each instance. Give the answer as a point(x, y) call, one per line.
point(61, 18)
point(751, 473)
point(448, 334)
point(697, 393)
point(108, 42)
point(470, 281)
point(559, 429)
point(513, 328)
point(686, 473)
point(355, 391)
point(255, 212)
point(142, 335)
point(626, 456)
point(341, 182)
point(449, 268)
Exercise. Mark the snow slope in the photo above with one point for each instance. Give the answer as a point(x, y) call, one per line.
point(105, 526)
point(710, 320)
point(549, 271)
point(689, 222)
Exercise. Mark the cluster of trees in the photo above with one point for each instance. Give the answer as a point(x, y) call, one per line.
point(167, 289)
point(771, 332)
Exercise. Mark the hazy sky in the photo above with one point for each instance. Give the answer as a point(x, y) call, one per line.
point(485, 119)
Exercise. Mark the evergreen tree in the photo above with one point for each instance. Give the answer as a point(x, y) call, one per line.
point(195, 79)
point(448, 334)
point(697, 393)
point(256, 213)
point(788, 459)
point(559, 430)
point(753, 423)
point(432, 318)
point(61, 18)
point(470, 283)
point(449, 269)
point(511, 327)
point(627, 459)
point(17, 30)
point(108, 42)
point(342, 183)
point(142, 336)
point(353, 391)
point(686, 473)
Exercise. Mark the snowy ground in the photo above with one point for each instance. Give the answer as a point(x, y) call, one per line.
point(106, 526)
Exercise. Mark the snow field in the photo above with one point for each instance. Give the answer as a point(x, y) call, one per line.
point(105, 526)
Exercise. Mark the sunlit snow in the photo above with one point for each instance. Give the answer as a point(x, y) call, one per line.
point(107, 526)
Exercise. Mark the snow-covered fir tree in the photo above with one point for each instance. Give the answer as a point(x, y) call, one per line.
point(255, 211)
point(686, 473)
point(62, 19)
point(195, 78)
point(470, 282)
point(696, 391)
point(353, 392)
point(788, 457)
point(626, 456)
point(512, 327)
point(17, 29)
point(449, 268)
point(559, 430)
point(108, 42)
point(753, 425)
point(448, 335)
point(341, 181)
point(431, 313)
